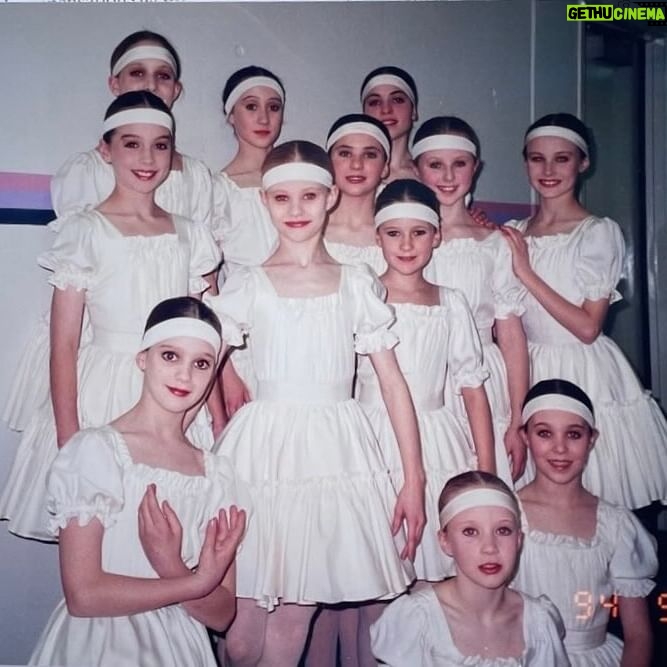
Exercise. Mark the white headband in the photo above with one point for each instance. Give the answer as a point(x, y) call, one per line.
point(142, 115)
point(557, 402)
point(360, 127)
point(247, 84)
point(296, 171)
point(411, 210)
point(178, 327)
point(144, 53)
point(387, 80)
point(557, 131)
point(479, 497)
point(437, 142)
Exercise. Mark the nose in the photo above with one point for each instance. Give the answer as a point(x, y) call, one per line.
point(406, 242)
point(548, 167)
point(489, 543)
point(262, 116)
point(447, 174)
point(151, 84)
point(386, 107)
point(147, 156)
point(356, 162)
point(295, 206)
point(184, 372)
point(559, 444)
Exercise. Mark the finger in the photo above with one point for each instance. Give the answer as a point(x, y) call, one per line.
point(172, 518)
point(397, 519)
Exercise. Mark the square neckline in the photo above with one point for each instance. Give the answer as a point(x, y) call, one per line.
point(339, 288)
point(107, 221)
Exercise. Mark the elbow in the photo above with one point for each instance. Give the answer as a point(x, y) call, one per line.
point(224, 619)
point(589, 333)
point(81, 604)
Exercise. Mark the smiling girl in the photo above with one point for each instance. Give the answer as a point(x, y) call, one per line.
point(587, 555)
point(389, 94)
point(473, 619)
point(116, 262)
point(475, 260)
point(325, 507)
point(570, 262)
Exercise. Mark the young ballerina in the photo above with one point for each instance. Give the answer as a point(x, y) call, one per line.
point(389, 94)
point(324, 504)
point(147, 534)
point(588, 556)
point(476, 260)
point(570, 262)
point(473, 619)
point(115, 261)
point(253, 101)
point(437, 339)
point(359, 147)
point(144, 60)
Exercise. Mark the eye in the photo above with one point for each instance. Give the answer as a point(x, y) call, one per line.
point(562, 158)
point(163, 145)
point(310, 196)
point(392, 233)
point(275, 107)
point(165, 76)
point(344, 153)
point(202, 364)
point(535, 158)
point(469, 531)
point(371, 155)
point(131, 143)
point(373, 102)
point(250, 106)
point(399, 98)
point(280, 198)
point(460, 163)
point(574, 434)
point(543, 433)
point(169, 355)
point(505, 531)
point(434, 164)
point(136, 73)
point(419, 232)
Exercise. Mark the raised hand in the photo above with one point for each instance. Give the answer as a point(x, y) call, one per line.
point(519, 247)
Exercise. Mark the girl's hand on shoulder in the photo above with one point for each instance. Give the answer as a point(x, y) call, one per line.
point(480, 217)
point(516, 451)
point(519, 247)
point(410, 508)
point(223, 536)
point(161, 535)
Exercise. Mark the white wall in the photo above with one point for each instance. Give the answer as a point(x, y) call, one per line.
point(472, 59)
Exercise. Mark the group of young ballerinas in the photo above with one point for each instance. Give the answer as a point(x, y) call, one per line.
point(281, 460)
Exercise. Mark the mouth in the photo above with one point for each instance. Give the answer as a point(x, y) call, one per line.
point(490, 568)
point(262, 133)
point(549, 182)
point(448, 189)
point(144, 175)
point(355, 180)
point(176, 391)
point(560, 465)
point(389, 121)
point(296, 224)
point(406, 258)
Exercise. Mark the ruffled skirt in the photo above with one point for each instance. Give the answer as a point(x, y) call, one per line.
point(168, 637)
point(323, 502)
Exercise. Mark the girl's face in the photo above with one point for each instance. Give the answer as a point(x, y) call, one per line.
point(299, 209)
point(140, 155)
point(178, 372)
point(485, 543)
point(560, 443)
point(257, 117)
point(359, 164)
point(449, 172)
point(153, 75)
point(554, 165)
point(392, 107)
point(407, 244)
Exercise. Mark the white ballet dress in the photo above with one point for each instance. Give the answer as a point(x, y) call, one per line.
point(83, 182)
point(628, 465)
point(321, 493)
point(355, 254)
point(124, 277)
point(482, 270)
point(94, 477)
point(241, 224)
point(413, 632)
point(581, 576)
point(434, 342)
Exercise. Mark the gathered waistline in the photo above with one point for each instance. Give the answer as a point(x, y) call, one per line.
point(307, 392)
point(371, 396)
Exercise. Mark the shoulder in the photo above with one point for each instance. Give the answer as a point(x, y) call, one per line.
point(97, 448)
point(90, 159)
point(517, 224)
point(454, 299)
point(544, 619)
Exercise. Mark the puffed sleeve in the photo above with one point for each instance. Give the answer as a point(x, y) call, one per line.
point(546, 632)
point(507, 289)
point(600, 255)
point(635, 560)
point(205, 255)
point(398, 637)
point(83, 181)
point(72, 256)
point(372, 317)
point(233, 305)
point(201, 191)
point(465, 354)
point(85, 481)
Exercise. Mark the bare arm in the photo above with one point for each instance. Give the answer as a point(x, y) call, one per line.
point(479, 415)
point(235, 394)
point(396, 396)
point(161, 535)
point(637, 635)
point(585, 321)
point(92, 592)
point(66, 318)
point(512, 343)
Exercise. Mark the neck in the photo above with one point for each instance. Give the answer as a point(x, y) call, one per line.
point(125, 201)
point(354, 212)
point(411, 283)
point(302, 254)
point(248, 158)
point(560, 495)
point(477, 601)
point(564, 208)
point(147, 415)
point(400, 155)
point(454, 215)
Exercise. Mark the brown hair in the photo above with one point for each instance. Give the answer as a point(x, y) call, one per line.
point(298, 150)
